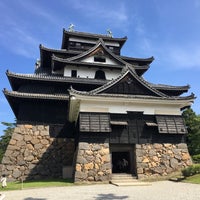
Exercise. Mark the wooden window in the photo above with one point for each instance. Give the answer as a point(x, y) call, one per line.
point(94, 122)
point(100, 74)
point(171, 124)
point(74, 73)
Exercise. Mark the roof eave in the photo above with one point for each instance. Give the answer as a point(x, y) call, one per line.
point(35, 96)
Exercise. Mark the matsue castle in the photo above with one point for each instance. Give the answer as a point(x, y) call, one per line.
point(87, 113)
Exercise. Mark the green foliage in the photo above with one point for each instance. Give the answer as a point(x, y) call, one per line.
point(191, 170)
point(196, 158)
point(193, 124)
point(5, 138)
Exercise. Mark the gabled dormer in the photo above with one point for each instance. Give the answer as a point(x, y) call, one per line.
point(128, 83)
point(96, 63)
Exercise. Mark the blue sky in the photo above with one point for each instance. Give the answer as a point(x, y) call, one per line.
point(168, 30)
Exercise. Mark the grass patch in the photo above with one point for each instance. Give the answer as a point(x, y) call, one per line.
point(37, 184)
point(193, 179)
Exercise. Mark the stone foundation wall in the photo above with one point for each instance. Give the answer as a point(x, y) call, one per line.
point(93, 162)
point(161, 159)
point(32, 154)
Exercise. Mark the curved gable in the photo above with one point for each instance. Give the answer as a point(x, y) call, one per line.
point(98, 50)
point(128, 83)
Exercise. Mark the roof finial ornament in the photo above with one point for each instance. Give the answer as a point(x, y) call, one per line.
point(71, 27)
point(37, 64)
point(109, 33)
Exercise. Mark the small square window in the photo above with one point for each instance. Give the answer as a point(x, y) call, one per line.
point(73, 73)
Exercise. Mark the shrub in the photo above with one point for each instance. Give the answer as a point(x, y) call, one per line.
point(191, 170)
point(196, 158)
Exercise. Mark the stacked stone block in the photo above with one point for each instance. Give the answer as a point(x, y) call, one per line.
point(33, 154)
point(93, 162)
point(161, 159)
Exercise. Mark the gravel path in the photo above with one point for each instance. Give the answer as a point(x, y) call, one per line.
point(162, 190)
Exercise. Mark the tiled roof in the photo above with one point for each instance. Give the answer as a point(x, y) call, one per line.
point(64, 51)
point(56, 78)
point(97, 92)
point(170, 87)
point(190, 97)
point(148, 60)
point(68, 61)
point(35, 96)
point(125, 58)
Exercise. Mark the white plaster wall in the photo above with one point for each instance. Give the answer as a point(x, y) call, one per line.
point(84, 72)
point(108, 61)
point(123, 107)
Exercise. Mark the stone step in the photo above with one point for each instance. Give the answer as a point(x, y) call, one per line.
point(123, 176)
point(123, 179)
point(136, 183)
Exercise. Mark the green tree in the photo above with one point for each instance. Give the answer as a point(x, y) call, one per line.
point(193, 124)
point(5, 138)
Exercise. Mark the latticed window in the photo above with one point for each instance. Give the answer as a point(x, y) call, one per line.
point(171, 124)
point(94, 122)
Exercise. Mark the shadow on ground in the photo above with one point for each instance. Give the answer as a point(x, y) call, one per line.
point(109, 196)
point(31, 198)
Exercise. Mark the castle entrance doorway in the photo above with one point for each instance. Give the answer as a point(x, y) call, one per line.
point(121, 162)
point(123, 158)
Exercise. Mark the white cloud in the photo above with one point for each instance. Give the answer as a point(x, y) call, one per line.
point(41, 12)
point(183, 57)
point(115, 14)
point(176, 57)
point(19, 41)
point(19, 36)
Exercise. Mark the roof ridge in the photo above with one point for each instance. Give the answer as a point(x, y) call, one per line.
point(93, 34)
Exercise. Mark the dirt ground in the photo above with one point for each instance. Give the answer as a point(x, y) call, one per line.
point(162, 190)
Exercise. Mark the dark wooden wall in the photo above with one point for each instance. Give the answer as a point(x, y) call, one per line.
point(78, 46)
point(43, 111)
point(135, 132)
